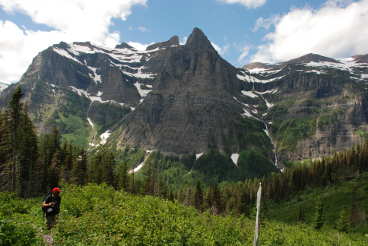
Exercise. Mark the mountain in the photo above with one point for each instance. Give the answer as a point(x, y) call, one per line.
point(186, 100)
point(84, 89)
point(319, 104)
point(3, 86)
point(196, 105)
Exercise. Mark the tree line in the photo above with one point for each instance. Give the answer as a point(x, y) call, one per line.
point(240, 197)
point(31, 165)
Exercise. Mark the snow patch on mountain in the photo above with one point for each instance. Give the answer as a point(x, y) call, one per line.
point(93, 98)
point(333, 65)
point(243, 76)
point(66, 54)
point(104, 136)
point(142, 92)
point(198, 155)
point(249, 94)
point(96, 77)
point(235, 157)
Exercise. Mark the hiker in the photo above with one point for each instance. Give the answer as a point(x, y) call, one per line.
point(51, 207)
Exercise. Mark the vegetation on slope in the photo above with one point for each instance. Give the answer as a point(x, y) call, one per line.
point(99, 215)
point(344, 206)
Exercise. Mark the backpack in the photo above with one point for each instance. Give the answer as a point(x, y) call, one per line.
point(47, 210)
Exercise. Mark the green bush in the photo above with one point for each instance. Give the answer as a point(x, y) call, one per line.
point(14, 235)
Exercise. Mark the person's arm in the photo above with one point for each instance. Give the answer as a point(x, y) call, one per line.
point(47, 203)
point(44, 204)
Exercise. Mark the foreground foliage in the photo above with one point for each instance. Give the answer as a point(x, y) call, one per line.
point(99, 215)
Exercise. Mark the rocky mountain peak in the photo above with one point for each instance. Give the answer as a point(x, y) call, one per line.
point(311, 57)
point(198, 40)
point(173, 41)
point(361, 58)
point(3, 86)
point(124, 45)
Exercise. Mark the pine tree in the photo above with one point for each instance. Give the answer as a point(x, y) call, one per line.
point(319, 215)
point(5, 154)
point(198, 197)
point(343, 222)
point(23, 145)
point(80, 169)
point(301, 214)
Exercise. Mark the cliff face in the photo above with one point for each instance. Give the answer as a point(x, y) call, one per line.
point(319, 107)
point(192, 107)
point(185, 99)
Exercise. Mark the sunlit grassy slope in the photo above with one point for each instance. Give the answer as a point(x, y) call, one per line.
point(98, 215)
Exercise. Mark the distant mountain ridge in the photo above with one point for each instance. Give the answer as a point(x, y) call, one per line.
point(3, 86)
point(186, 99)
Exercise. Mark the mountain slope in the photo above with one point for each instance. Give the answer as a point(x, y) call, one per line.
point(318, 105)
point(3, 86)
point(147, 99)
point(88, 217)
point(195, 100)
point(186, 100)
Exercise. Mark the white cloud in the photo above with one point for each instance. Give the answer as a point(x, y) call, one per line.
point(244, 54)
point(143, 29)
point(139, 46)
point(246, 3)
point(266, 23)
point(71, 20)
point(337, 29)
point(222, 50)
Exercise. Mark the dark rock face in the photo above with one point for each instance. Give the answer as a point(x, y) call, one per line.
point(192, 108)
point(124, 46)
point(361, 58)
point(172, 42)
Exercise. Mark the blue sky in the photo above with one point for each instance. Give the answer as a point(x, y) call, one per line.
point(242, 30)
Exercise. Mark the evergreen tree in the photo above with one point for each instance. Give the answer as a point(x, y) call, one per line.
point(301, 214)
point(80, 169)
point(198, 197)
point(319, 215)
point(122, 177)
point(5, 154)
point(343, 222)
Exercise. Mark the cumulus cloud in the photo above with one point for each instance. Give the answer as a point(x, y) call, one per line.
point(143, 29)
point(71, 20)
point(244, 54)
point(222, 50)
point(246, 3)
point(266, 23)
point(337, 29)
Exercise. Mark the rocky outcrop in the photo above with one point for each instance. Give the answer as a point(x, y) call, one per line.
point(192, 107)
point(172, 42)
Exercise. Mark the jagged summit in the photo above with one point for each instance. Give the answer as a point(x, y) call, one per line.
point(173, 41)
point(198, 40)
point(124, 45)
